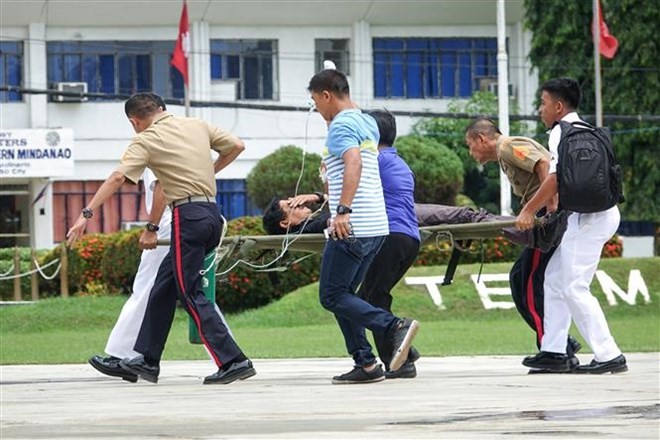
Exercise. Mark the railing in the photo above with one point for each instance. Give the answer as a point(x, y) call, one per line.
point(14, 273)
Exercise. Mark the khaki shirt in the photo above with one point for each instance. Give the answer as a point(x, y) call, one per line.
point(518, 157)
point(178, 151)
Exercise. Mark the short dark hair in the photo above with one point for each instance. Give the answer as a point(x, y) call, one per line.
point(143, 104)
point(273, 215)
point(566, 90)
point(482, 125)
point(386, 126)
point(331, 80)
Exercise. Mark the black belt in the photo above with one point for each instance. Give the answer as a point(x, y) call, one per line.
point(192, 199)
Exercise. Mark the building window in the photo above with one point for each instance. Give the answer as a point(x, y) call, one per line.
point(417, 68)
point(333, 50)
point(250, 63)
point(116, 67)
point(11, 69)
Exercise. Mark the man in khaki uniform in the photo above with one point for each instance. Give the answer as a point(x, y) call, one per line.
point(525, 163)
point(177, 150)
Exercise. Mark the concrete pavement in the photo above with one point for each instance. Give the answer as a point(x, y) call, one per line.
point(453, 397)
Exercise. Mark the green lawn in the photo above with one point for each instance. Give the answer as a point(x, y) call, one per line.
point(70, 331)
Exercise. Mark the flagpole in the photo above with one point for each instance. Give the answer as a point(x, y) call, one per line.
point(503, 100)
point(186, 100)
point(597, 79)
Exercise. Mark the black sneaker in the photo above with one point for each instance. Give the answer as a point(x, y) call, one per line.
point(402, 334)
point(110, 367)
point(413, 355)
point(359, 375)
point(138, 365)
point(544, 360)
point(408, 371)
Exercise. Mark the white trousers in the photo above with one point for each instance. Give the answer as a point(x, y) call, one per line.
point(125, 332)
point(567, 286)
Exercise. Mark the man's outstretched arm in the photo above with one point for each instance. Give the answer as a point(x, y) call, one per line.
point(108, 188)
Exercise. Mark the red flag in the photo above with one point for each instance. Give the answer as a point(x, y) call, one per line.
point(608, 43)
point(182, 48)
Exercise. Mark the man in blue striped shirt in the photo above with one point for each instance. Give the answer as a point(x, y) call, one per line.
point(357, 230)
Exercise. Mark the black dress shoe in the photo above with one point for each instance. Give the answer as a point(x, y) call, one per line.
point(574, 345)
point(616, 365)
point(139, 366)
point(110, 367)
point(408, 371)
point(573, 363)
point(235, 371)
point(544, 360)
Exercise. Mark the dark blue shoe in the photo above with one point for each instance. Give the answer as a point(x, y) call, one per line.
point(110, 367)
point(139, 366)
point(235, 371)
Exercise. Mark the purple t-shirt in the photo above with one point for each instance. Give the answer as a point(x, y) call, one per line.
point(398, 188)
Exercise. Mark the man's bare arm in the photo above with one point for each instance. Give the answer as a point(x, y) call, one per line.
point(222, 161)
point(108, 188)
point(546, 192)
point(542, 169)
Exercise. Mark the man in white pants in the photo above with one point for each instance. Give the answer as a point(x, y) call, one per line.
point(124, 334)
point(572, 268)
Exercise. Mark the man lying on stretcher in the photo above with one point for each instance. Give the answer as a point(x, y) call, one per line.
point(306, 213)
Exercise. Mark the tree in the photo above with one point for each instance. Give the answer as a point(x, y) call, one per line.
point(438, 170)
point(278, 173)
point(481, 183)
point(562, 46)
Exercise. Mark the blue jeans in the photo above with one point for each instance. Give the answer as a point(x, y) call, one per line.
point(343, 267)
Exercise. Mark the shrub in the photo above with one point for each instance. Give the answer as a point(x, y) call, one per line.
point(85, 260)
point(245, 288)
point(438, 170)
point(494, 251)
point(277, 174)
point(121, 259)
point(613, 248)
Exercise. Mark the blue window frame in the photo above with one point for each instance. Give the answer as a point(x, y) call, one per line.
point(418, 68)
point(11, 69)
point(251, 63)
point(116, 67)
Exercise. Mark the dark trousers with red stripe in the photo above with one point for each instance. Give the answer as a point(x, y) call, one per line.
point(526, 280)
point(195, 232)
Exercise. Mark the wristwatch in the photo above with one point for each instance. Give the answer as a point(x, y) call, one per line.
point(87, 213)
point(151, 227)
point(343, 209)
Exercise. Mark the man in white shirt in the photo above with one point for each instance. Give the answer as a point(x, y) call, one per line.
point(569, 274)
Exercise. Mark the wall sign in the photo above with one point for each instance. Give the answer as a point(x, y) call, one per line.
point(36, 153)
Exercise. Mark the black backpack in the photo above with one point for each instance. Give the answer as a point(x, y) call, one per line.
point(588, 177)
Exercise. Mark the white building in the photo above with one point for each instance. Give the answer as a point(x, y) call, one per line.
point(407, 55)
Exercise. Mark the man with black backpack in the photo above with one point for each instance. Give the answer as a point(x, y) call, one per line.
point(585, 175)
